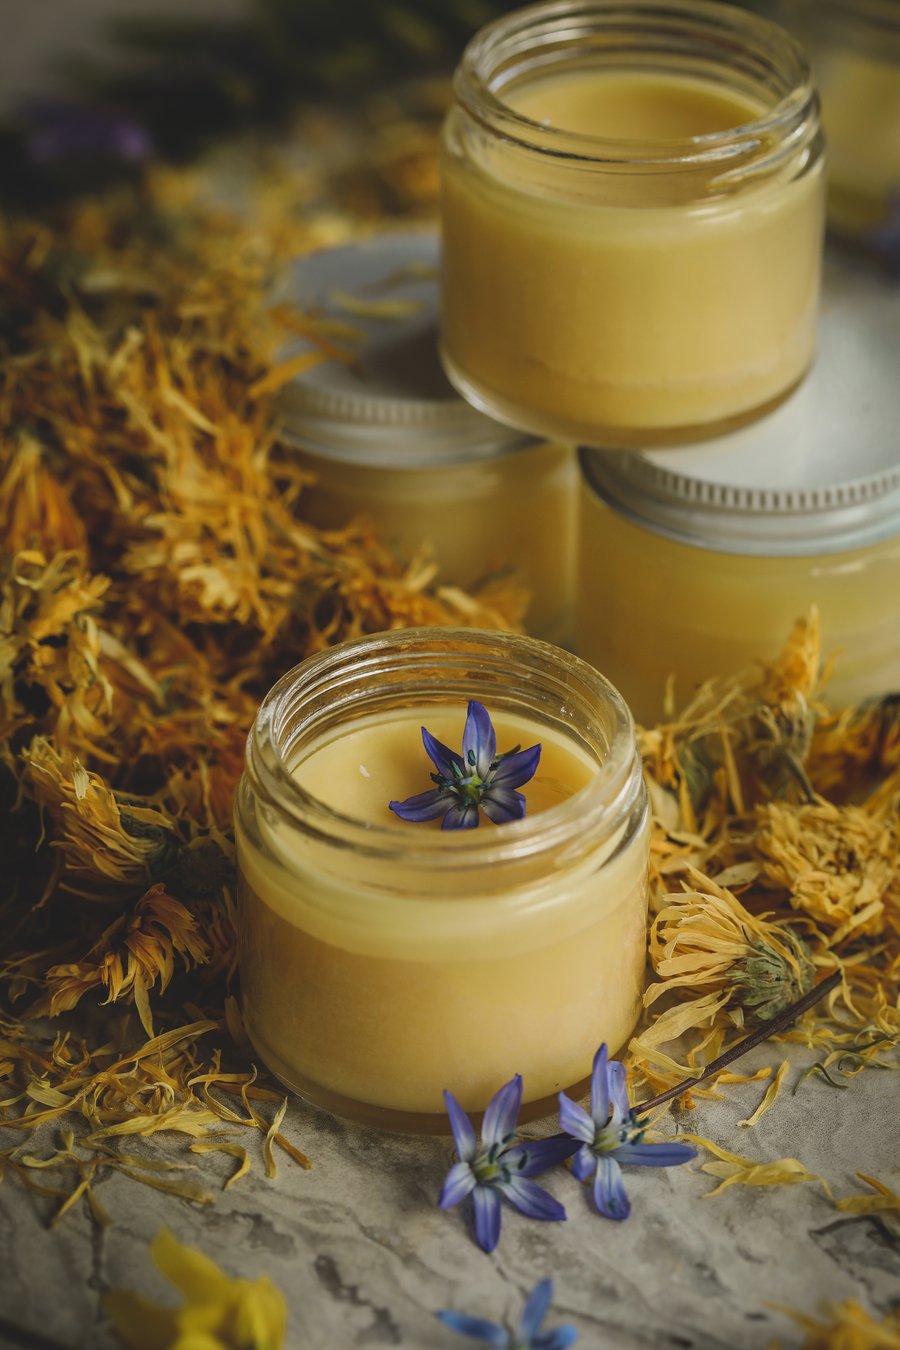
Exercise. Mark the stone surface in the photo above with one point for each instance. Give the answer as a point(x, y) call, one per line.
point(364, 1257)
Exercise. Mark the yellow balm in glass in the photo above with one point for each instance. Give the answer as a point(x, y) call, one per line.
point(383, 960)
point(632, 207)
point(855, 47)
point(697, 561)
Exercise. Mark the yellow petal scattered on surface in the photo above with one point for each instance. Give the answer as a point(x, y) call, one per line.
point(219, 1313)
point(735, 1170)
point(768, 1100)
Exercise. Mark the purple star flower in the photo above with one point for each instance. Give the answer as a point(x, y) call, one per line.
point(528, 1335)
point(478, 778)
point(497, 1166)
point(612, 1135)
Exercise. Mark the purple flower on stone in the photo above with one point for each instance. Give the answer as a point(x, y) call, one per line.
point(477, 780)
point(528, 1334)
point(611, 1135)
point(496, 1165)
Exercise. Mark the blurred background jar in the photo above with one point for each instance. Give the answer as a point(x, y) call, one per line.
point(387, 438)
point(697, 561)
point(632, 211)
point(855, 49)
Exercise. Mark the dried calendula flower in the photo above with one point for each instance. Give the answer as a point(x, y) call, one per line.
point(837, 864)
point(219, 1313)
point(135, 953)
point(849, 1327)
point(705, 939)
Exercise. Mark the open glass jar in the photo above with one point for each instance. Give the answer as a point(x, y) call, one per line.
point(632, 206)
point(855, 49)
point(383, 961)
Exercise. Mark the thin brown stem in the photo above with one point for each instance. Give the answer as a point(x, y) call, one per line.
point(761, 1034)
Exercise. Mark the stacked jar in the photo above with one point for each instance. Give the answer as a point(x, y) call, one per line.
point(633, 211)
point(385, 437)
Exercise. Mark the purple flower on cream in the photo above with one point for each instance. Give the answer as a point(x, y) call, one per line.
point(611, 1135)
point(496, 1166)
point(478, 780)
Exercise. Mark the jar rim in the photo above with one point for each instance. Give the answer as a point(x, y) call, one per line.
point(599, 808)
point(796, 107)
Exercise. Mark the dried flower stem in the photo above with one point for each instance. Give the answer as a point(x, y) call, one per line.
point(761, 1034)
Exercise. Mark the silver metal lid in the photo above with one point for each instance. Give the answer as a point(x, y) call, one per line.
point(391, 404)
point(819, 474)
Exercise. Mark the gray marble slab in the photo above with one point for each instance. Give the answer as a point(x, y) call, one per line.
point(364, 1257)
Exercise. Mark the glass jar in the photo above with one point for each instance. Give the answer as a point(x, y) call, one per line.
point(696, 562)
point(385, 437)
point(382, 961)
point(855, 48)
point(647, 284)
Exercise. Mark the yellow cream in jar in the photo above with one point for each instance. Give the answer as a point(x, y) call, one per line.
point(375, 975)
point(387, 440)
point(697, 561)
point(630, 256)
point(671, 609)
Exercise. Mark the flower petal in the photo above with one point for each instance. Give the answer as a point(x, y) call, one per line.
point(441, 756)
point(476, 1327)
point(535, 1310)
point(537, 1155)
point(575, 1120)
point(461, 816)
point(487, 1217)
point(600, 1087)
point(609, 1189)
point(463, 1130)
point(516, 769)
point(618, 1089)
point(424, 805)
point(558, 1339)
point(530, 1199)
point(584, 1164)
point(502, 805)
point(653, 1155)
point(502, 1110)
point(479, 739)
point(458, 1183)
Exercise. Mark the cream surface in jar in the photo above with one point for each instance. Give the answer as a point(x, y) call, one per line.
point(632, 206)
point(383, 961)
point(387, 438)
point(698, 561)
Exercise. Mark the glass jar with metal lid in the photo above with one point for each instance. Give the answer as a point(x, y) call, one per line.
point(698, 561)
point(632, 209)
point(387, 437)
point(855, 48)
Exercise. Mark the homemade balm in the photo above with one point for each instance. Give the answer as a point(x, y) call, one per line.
point(632, 215)
point(697, 562)
point(387, 438)
point(855, 47)
point(383, 961)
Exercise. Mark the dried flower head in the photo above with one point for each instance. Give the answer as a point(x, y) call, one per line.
point(837, 864)
point(705, 939)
